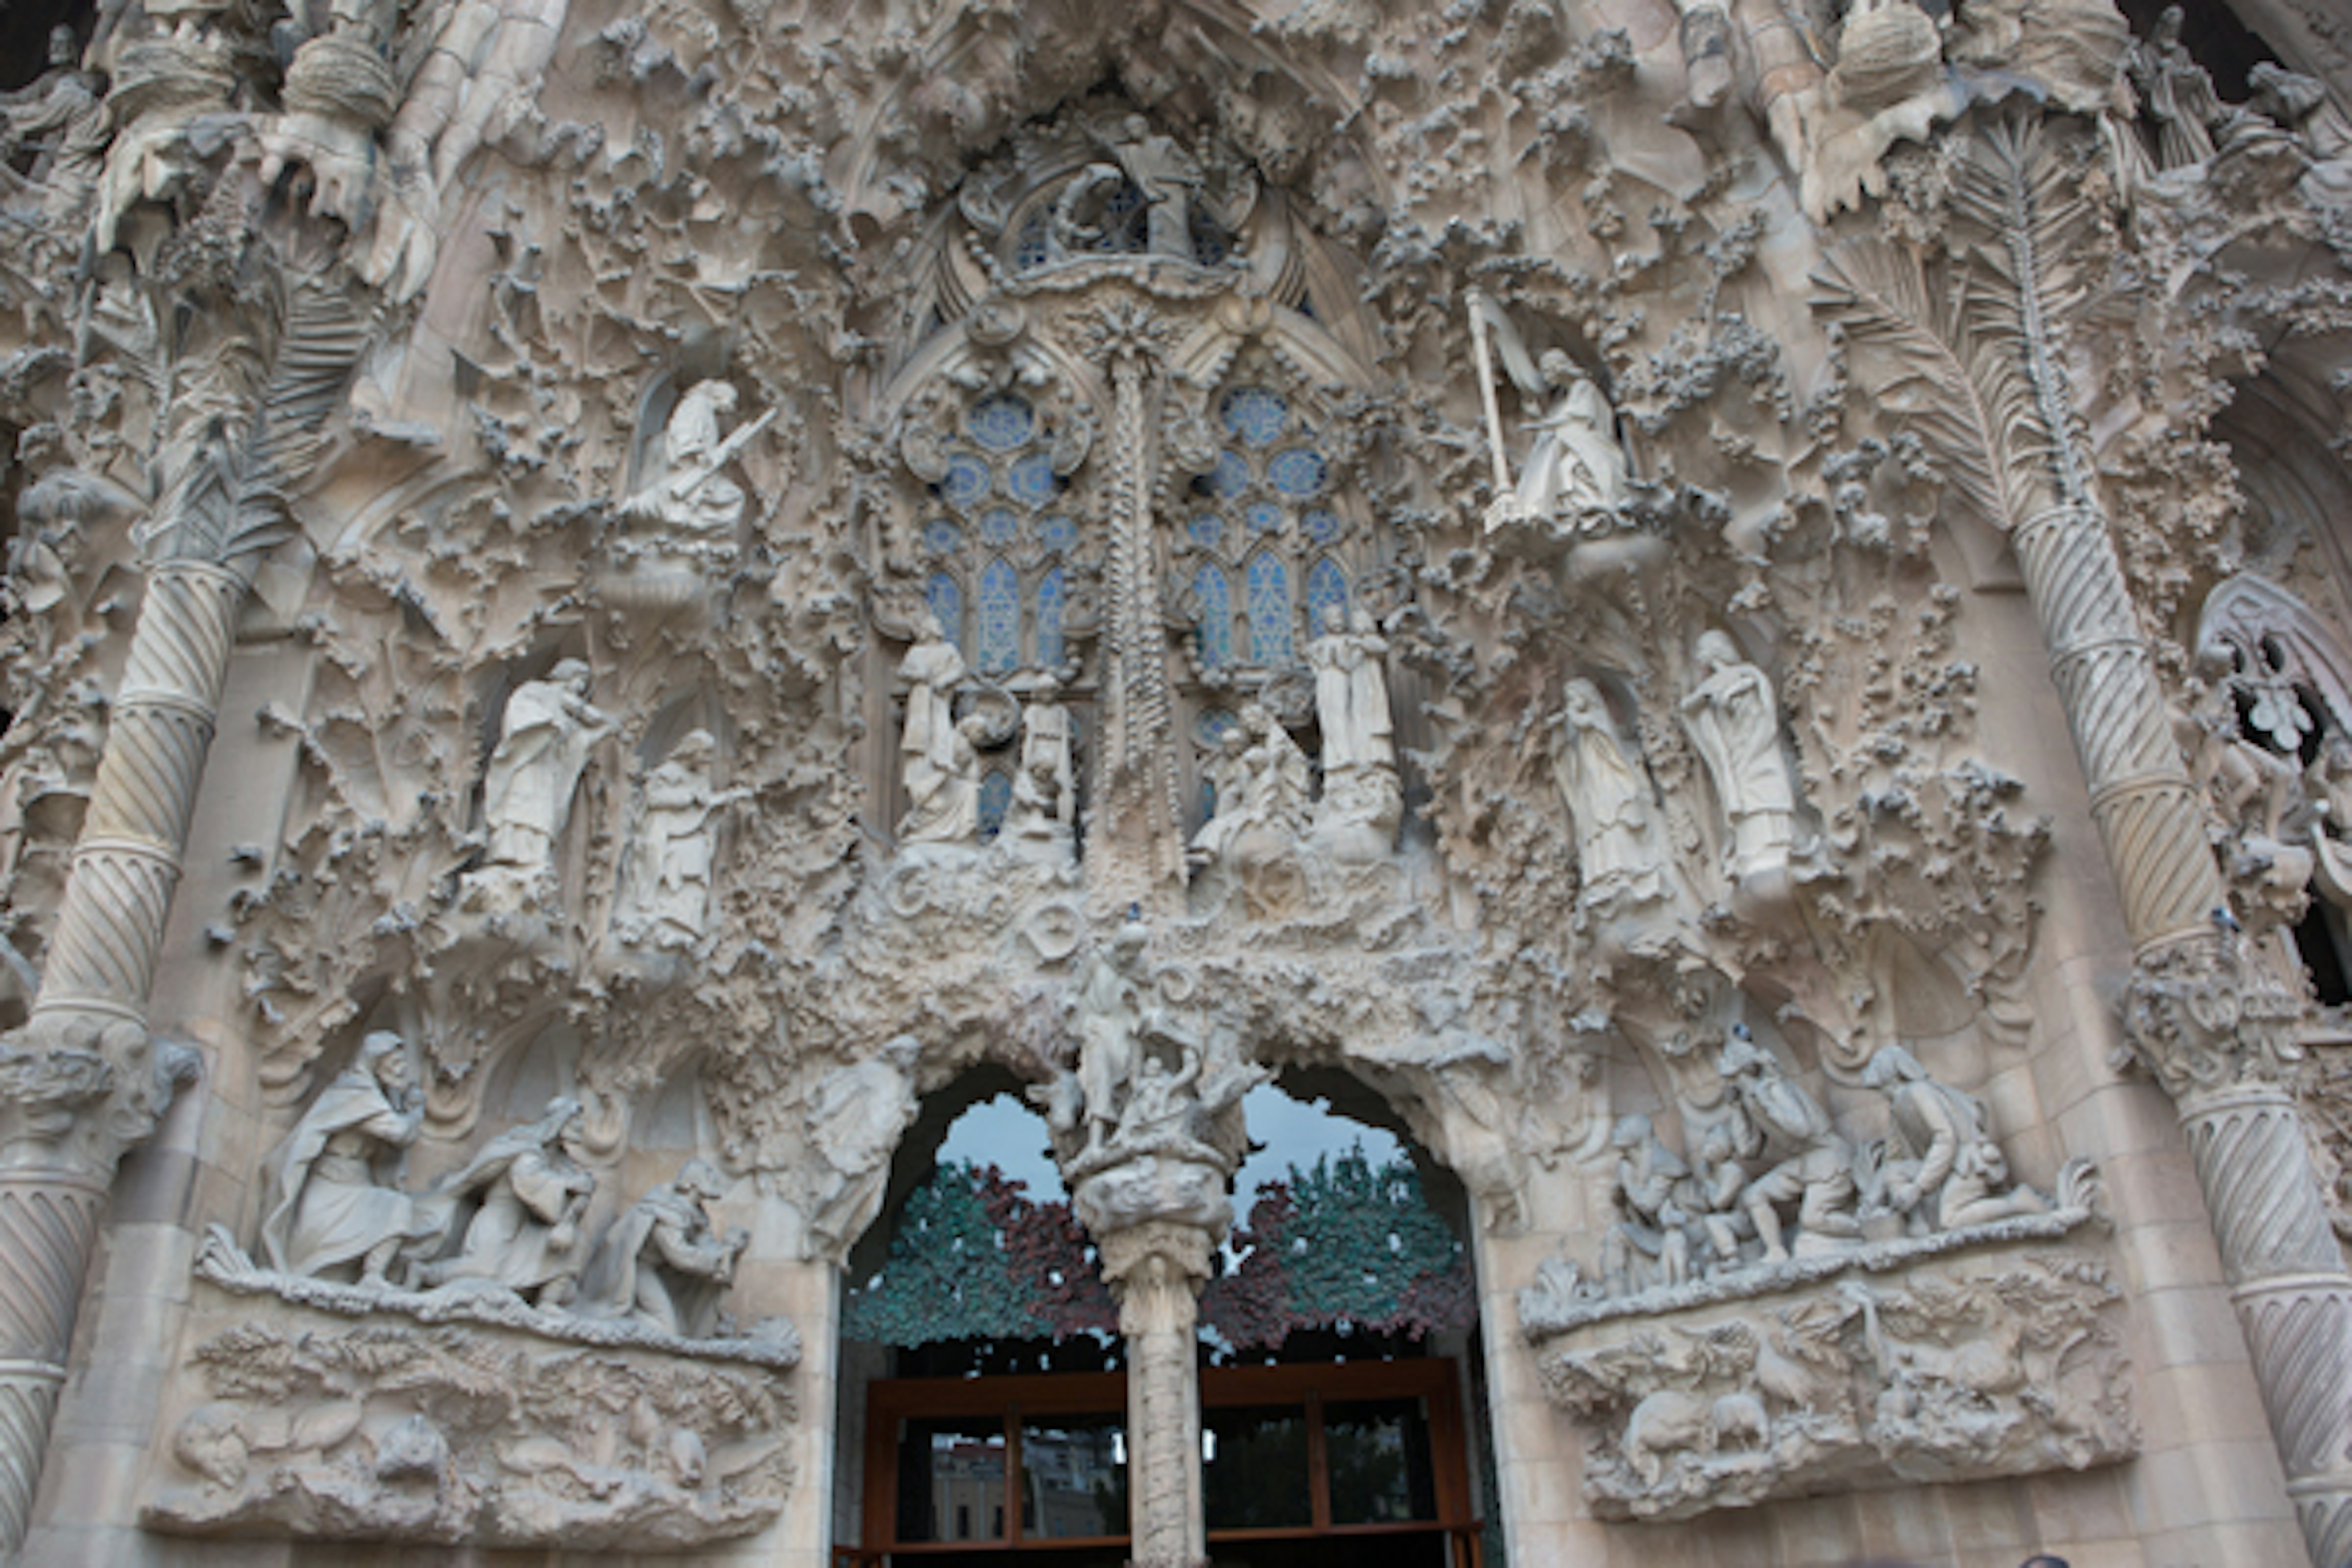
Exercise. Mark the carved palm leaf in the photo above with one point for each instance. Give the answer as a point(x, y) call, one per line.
point(1932, 372)
point(232, 499)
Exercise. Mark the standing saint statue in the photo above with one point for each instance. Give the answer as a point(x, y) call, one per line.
point(1106, 1013)
point(544, 739)
point(665, 897)
point(929, 757)
point(1734, 720)
point(1608, 798)
point(1351, 707)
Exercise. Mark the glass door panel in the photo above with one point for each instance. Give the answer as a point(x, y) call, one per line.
point(1072, 1476)
point(1379, 1453)
point(952, 1479)
point(1255, 1475)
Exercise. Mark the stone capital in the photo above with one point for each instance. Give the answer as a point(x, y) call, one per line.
point(2201, 1016)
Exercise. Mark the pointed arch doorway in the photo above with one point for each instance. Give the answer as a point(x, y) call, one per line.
point(1333, 1427)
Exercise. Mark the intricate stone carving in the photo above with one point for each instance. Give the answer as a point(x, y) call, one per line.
point(1734, 720)
point(389, 1430)
point(331, 1202)
point(544, 739)
point(662, 1264)
point(664, 893)
point(511, 1218)
point(2006, 1361)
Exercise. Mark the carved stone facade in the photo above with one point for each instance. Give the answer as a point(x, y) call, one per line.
point(1737, 618)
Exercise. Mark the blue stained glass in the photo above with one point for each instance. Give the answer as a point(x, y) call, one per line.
point(1000, 619)
point(1126, 221)
point(999, 527)
point(1322, 526)
point(943, 536)
point(946, 596)
point(995, 800)
point(1053, 593)
point(1208, 530)
point(1264, 517)
point(1058, 534)
point(1298, 472)
point(1269, 611)
point(1216, 617)
point(1002, 423)
point(1326, 588)
point(1033, 248)
point(1032, 479)
point(1229, 478)
point(1254, 414)
point(967, 478)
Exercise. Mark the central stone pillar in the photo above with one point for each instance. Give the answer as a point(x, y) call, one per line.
point(1156, 1271)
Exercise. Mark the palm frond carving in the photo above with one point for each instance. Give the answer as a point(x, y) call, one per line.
point(230, 500)
point(1971, 358)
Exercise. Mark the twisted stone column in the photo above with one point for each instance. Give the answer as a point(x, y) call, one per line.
point(1156, 1270)
point(81, 1081)
point(2203, 1017)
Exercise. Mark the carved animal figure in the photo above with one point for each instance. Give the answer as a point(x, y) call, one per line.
point(1740, 1415)
point(1664, 1423)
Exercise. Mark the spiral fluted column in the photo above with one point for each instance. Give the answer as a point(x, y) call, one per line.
point(81, 1081)
point(2204, 1020)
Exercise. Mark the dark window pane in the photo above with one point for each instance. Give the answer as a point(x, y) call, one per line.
point(1074, 1477)
point(1255, 1476)
point(1379, 1453)
point(950, 1477)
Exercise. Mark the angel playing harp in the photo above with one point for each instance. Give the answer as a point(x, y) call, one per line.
point(1574, 475)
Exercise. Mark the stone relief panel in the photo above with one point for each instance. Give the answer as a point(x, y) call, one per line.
point(1901, 1373)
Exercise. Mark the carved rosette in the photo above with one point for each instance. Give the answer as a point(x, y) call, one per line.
point(1156, 1270)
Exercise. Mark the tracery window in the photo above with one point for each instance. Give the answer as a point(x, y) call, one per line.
point(998, 542)
point(1264, 540)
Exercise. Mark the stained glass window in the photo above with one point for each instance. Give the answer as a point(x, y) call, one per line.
point(1032, 479)
point(1053, 593)
point(1263, 514)
point(995, 800)
point(1000, 424)
point(1298, 472)
point(1000, 619)
point(946, 596)
point(1326, 588)
point(997, 481)
point(1269, 610)
point(1216, 617)
point(1256, 415)
point(967, 480)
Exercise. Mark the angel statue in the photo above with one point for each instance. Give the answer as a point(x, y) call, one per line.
point(1574, 476)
